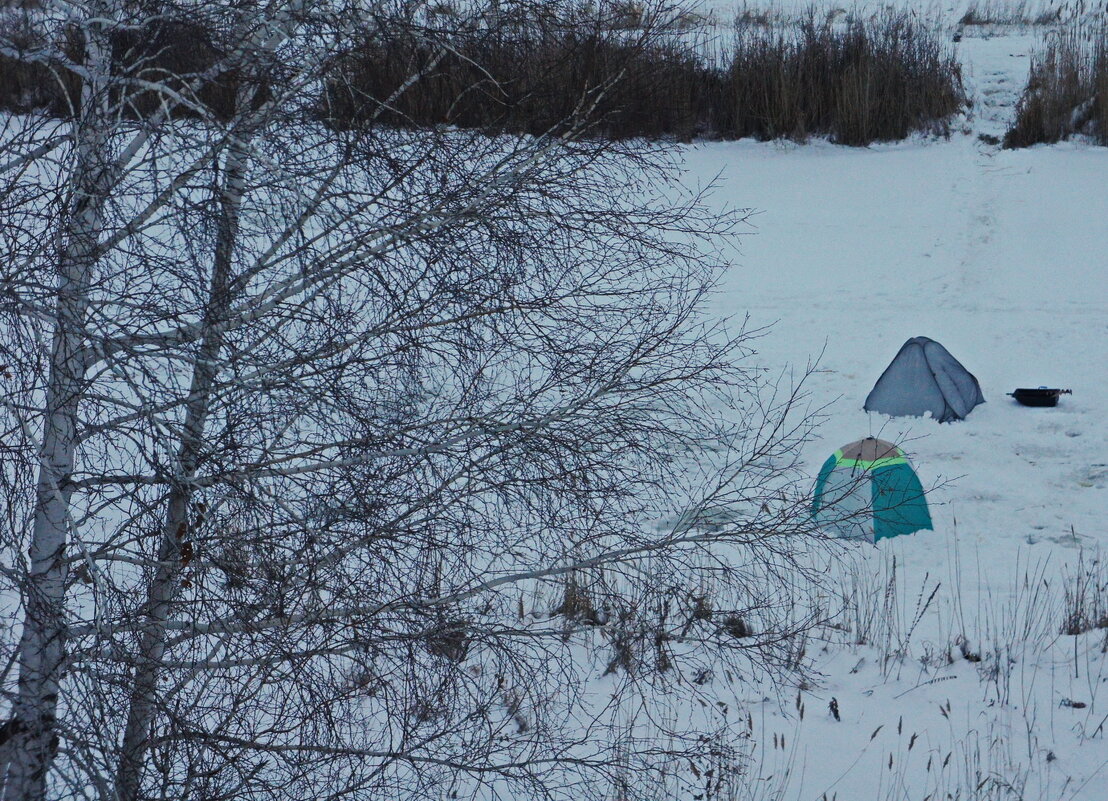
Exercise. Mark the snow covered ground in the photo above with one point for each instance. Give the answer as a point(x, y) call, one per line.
point(1002, 257)
point(954, 680)
point(944, 11)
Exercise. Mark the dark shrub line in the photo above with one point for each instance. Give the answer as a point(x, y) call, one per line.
point(855, 83)
point(531, 81)
point(175, 53)
point(991, 12)
point(1067, 91)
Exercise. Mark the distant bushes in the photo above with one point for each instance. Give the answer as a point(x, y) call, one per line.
point(1067, 92)
point(529, 79)
point(854, 82)
point(1011, 12)
point(174, 52)
point(29, 78)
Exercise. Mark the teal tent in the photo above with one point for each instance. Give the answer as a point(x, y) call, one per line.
point(868, 490)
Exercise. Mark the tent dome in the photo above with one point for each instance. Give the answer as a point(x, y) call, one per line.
point(922, 378)
point(868, 490)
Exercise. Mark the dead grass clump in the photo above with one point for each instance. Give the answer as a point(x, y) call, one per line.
point(1086, 597)
point(1010, 12)
point(40, 70)
point(531, 78)
point(32, 75)
point(858, 82)
point(865, 81)
point(606, 72)
point(579, 603)
point(1067, 92)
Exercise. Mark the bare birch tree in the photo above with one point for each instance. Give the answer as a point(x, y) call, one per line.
point(331, 451)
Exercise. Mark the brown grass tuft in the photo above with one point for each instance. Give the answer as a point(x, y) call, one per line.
point(601, 73)
point(1067, 92)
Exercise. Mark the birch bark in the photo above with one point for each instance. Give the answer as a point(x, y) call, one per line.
point(32, 736)
point(167, 580)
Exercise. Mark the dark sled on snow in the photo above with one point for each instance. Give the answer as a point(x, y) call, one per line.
point(1040, 396)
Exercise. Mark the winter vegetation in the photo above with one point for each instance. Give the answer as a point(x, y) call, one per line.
point(423, 400)
point(1019, 12)
point(302, 422)
point(864, 81)
point(1067, 92)
point(857, 81)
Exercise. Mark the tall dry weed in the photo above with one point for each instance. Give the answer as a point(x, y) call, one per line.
point(1067, 92)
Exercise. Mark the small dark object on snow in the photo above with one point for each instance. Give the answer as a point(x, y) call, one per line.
point(737, 627)
point(1040, 396)
point(834, 707)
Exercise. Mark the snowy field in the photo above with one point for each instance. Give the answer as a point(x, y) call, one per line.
point(1000, 256)
point(949, 675)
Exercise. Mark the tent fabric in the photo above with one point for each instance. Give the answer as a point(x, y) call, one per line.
point(868, 490)
point(899, 505)
point(923, 378)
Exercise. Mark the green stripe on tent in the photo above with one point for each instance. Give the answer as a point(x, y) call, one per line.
point(862, 463)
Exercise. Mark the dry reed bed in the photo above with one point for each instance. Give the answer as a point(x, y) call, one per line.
point(1067, 92)
point(38, 74)
point(855, 82)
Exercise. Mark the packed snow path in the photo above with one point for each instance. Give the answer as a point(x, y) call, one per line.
point(994, 70)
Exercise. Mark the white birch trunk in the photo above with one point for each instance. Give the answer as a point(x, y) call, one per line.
point(32, 736)
point(167, 580)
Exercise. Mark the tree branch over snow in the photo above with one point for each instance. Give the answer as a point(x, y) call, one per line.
point(343, 454)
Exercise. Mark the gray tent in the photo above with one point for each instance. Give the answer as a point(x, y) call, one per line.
point(924, 378)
